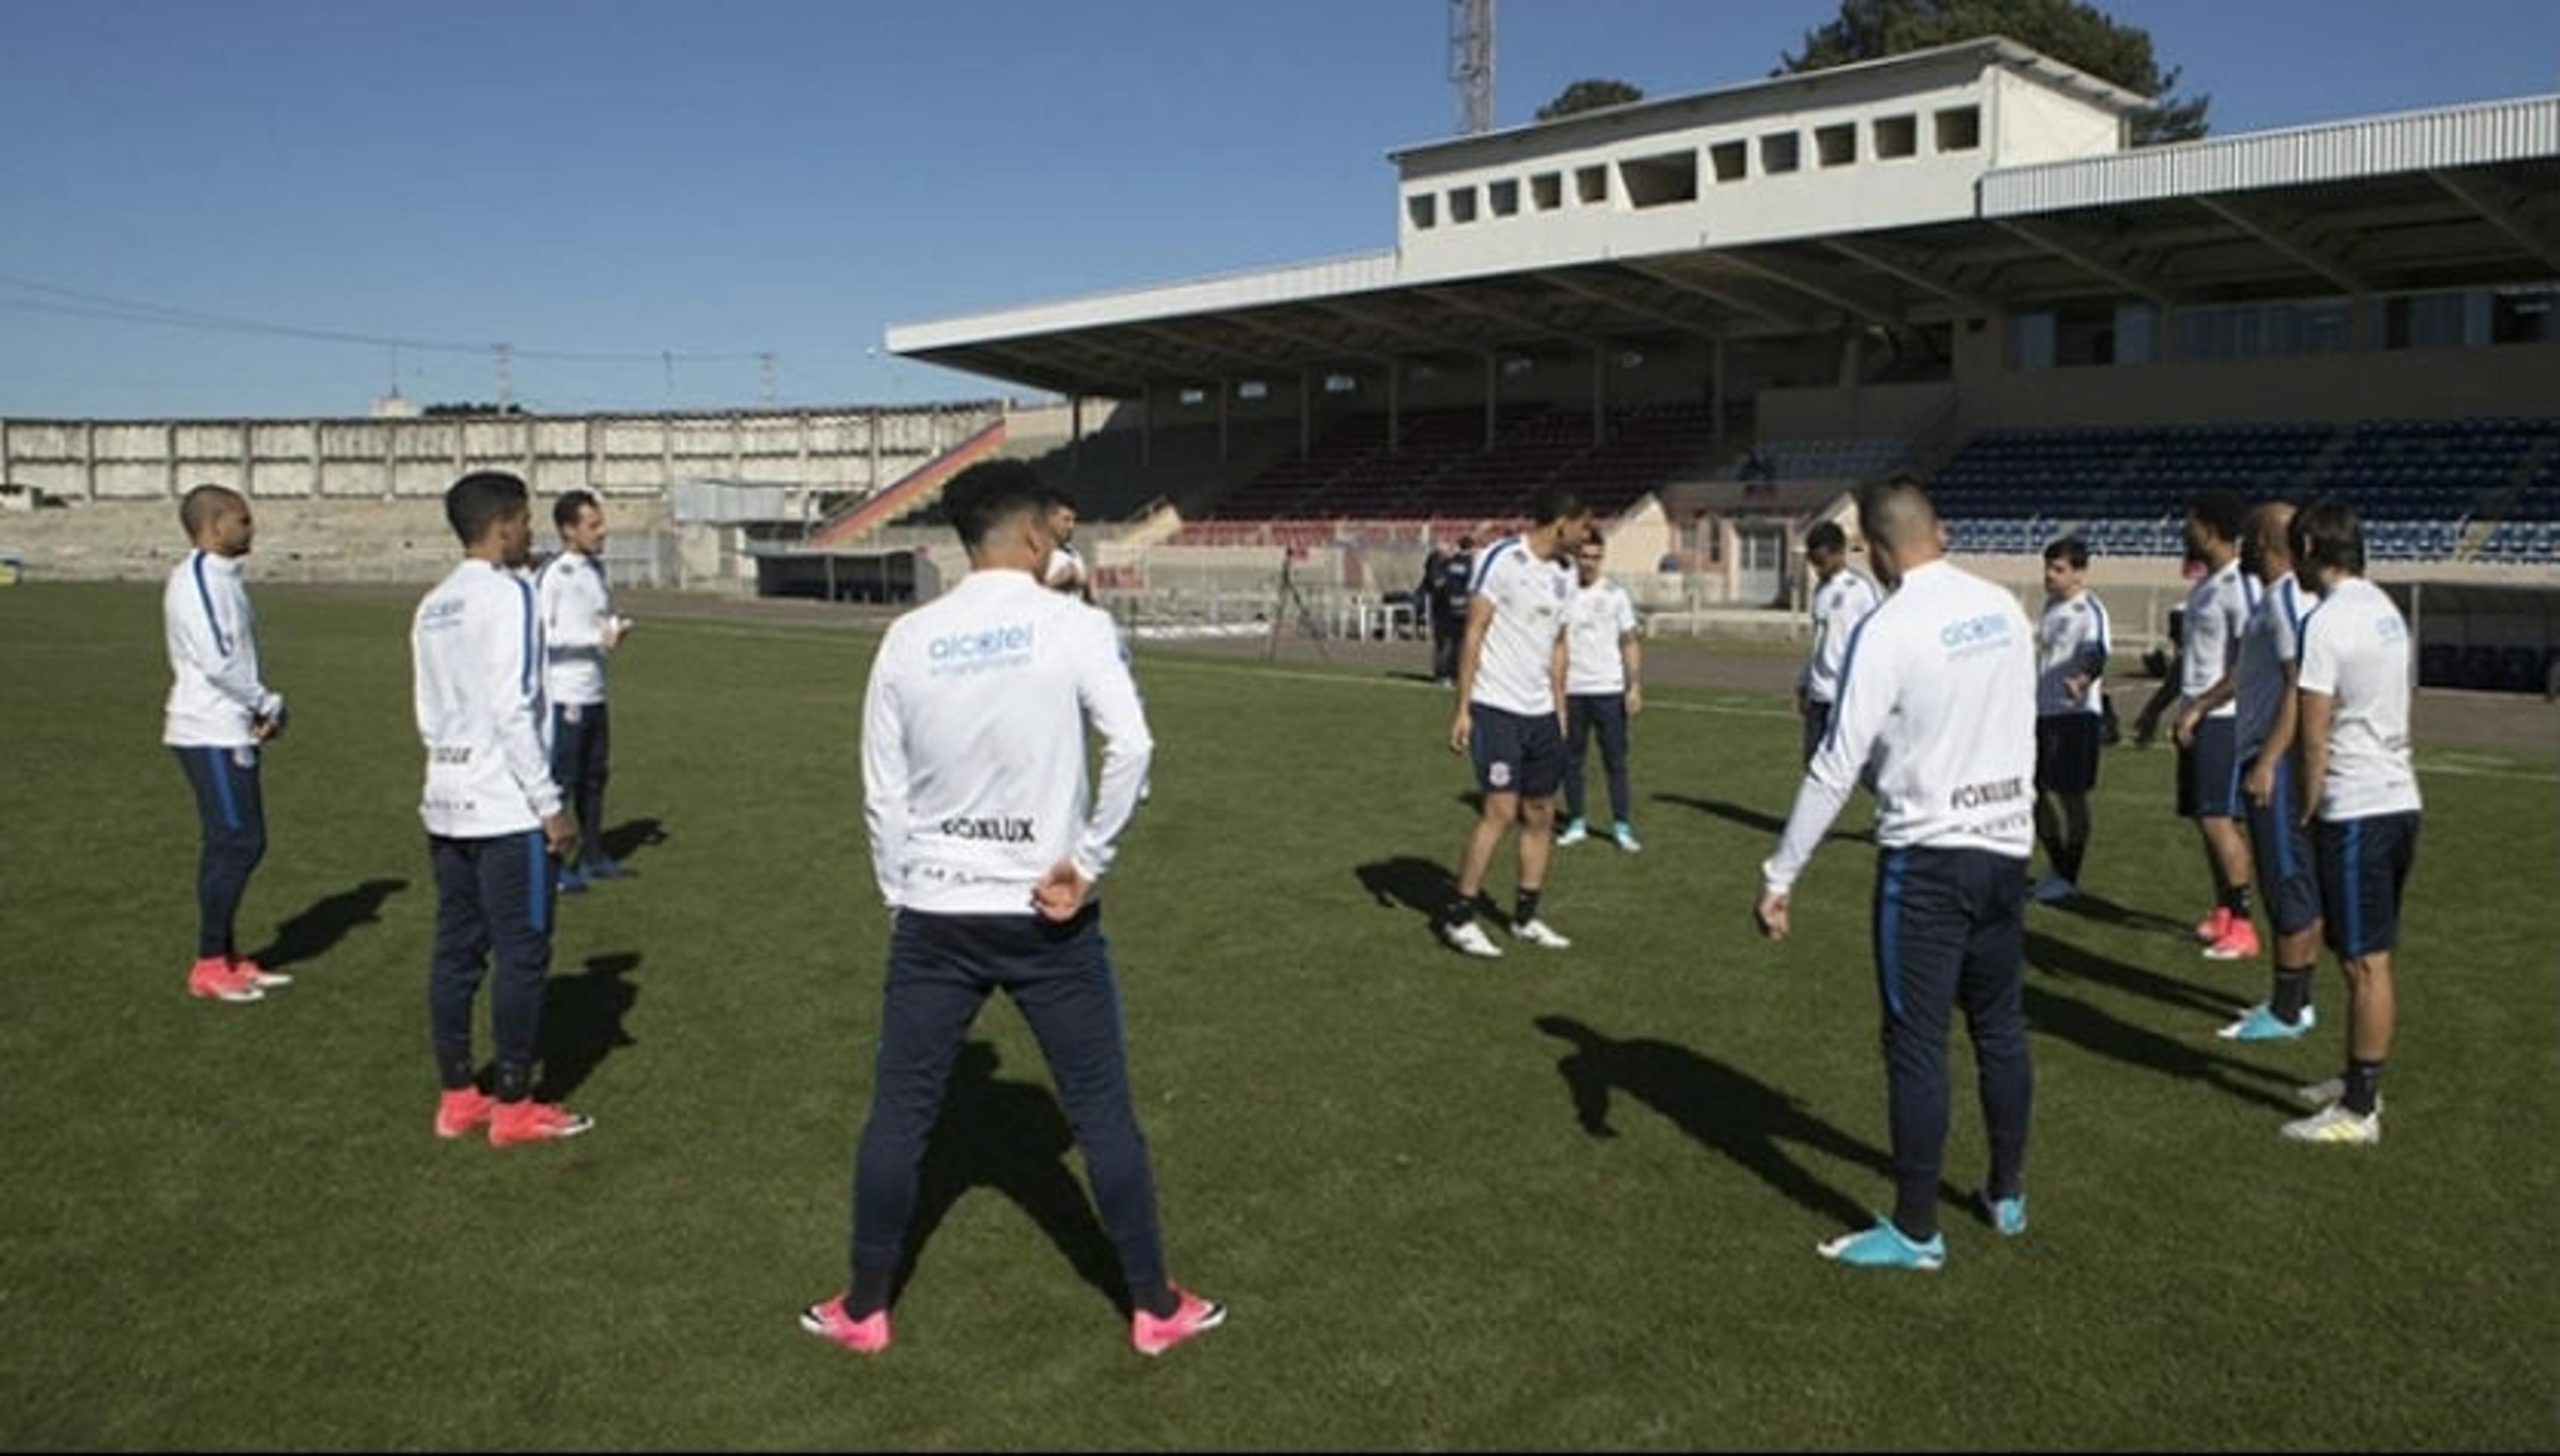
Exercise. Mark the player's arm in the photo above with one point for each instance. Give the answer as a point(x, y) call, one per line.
point(211, 639)
point(1471, 649)
point(1869, 690)
point(2261, 785)
point(1109, 699)
point(2315, 688)
point(1631, 654)
point(885, 780)
point(506, 653)
point(2194, 712)
point(567, 623)
point(1558, 667)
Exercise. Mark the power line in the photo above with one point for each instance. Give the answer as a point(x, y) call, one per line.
point(127, 311)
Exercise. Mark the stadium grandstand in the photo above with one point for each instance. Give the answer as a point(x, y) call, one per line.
point(1716, 313)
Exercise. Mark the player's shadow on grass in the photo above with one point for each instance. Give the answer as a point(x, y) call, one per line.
point(2106, 912)
point(2062, 959)
point(631, 836)
point(2090, 1029)
point(582, 1022)
point(1750, 818)
point(1013, 1137)
point(1725, 1110)
point(315, 931)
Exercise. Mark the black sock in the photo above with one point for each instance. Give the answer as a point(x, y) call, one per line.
point(870, 1294)
point(2073, 851)
point(1157, 1299)
point(2363, 1086)
point(1527, 906)
point(1461, 910)
point(2236, 900)
point(2293, 993)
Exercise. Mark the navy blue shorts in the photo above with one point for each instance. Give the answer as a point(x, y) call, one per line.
point(2066, 752)
point(2208, 772)
point(1515, 753)
point(2363, 863)
point(2288, 873)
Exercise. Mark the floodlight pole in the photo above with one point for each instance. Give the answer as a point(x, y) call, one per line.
point(1470, 63)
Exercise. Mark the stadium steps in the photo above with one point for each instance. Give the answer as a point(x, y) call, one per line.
point(914, 488)
point(2493, 510)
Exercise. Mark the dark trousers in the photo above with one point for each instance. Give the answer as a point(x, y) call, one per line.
point(1949, 932)
point(1818, 726)
point(1606, 712)
point(493, 896)
point(1446, 633)
point(234, 816)
point(581, 745)
point(940, 971)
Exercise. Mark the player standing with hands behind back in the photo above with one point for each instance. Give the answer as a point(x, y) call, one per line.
point(578, 631)
point(1939, 690)
point(493, 816)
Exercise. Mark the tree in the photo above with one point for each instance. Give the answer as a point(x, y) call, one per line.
point(1590, 95)
point(468, 407)
point(2069, 30)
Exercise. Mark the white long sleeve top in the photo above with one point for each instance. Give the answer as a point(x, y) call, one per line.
point(1939, 688)
point(577, 612)
point(1838, 605)
point(476, 651)
point(215, 692)
point(974, 751)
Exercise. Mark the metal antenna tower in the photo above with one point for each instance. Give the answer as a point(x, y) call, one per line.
point(500, 359)
point(764, 377)
point(1470, 63)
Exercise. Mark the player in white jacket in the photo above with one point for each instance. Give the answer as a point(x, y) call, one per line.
point(220, 714)
point(985, 849)
point(493, 825)
point(580, 630)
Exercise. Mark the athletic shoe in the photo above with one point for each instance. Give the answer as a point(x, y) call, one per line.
point(2008, 1214)
point(828, 1321)
point(573, 879)
point(2239, 943)
point(1538, 933)
point(1192, 1315)
point(1625, 836)
point(214, 977)
point(460, 1109)
point(2214, 927)
point(2320, 1095)
point(2052, 888)
point(2334, 1124)
point(529, 1121)
point(2262, 1025)
point(603, 867)
point(258, 975)
point(1574, 832)
point(1883, 1247)
point(1471, 938)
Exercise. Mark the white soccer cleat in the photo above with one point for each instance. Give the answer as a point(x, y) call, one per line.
point(1538, 933)
point(2335, 1124)
point(1471, 939)
point(1574, 832)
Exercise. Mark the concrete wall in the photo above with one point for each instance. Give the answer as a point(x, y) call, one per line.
point(298, 540)
point(356, 459)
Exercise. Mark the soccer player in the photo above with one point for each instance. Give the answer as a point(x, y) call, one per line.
point(2209, 765)
point(1449, 610)
point(1511, 711)
point(1065, 569)
point(1604, 690)
point(986, 851)
point(2265, 733)
point(217, 716)
point(2360, 799)
point(1938, 690)
point(2071, 646)
point(578, 631)
point(493, 816)
point(1841, 599)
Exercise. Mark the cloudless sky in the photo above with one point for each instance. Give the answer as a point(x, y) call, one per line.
point(625, 178)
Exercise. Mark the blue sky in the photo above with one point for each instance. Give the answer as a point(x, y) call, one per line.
point(575, 177)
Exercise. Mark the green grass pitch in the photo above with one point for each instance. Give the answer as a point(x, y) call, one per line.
point(1556, 1201)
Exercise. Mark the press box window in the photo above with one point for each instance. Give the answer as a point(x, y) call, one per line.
point(1836, 146)
point(1959, 128)
point(1653, 182)
point(1591, 184)
point(1778, 153)
point(1546, 191)
point(1897, 137)
point(1462, 205)
point(1731, 160)
point(1505, 198)
point(1423, 209)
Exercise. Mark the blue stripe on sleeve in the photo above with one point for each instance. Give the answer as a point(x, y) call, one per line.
point(525, 589)
point(205, 594)
point(1484, 562)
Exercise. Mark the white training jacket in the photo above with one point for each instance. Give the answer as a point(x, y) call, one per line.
point(973, 745)
point(576, 608)
point(1939, 687)
point(2217, 612)
point(476, 649)
point(215, 692)
point(1839, 604)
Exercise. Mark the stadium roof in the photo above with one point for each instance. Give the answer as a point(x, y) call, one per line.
point(2446, 197)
